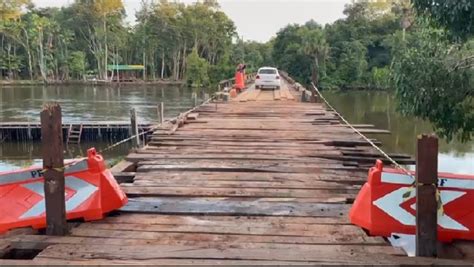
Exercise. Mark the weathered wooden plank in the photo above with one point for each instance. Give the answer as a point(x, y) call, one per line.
point(240, 184)
point(209, 220)
point(235, 208)
point(53, 164)
point(4, 247)
point(233, 156)
point(303, 253)
point(334, 176)
point(132, 237)
point(307, 162)
point(243, 234)
point(124, 177)
point(192, 116)
point(303, 151)
point(224, 168)
point(47, 261)
point(323, 195)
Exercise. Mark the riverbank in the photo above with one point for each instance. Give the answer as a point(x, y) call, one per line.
point(88, 82)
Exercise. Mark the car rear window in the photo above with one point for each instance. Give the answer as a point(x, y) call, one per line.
point(267, 71)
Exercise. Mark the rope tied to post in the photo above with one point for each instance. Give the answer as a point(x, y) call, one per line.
point(394, 162)
point(60, 169)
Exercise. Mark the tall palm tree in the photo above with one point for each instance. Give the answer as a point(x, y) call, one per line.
point(315, 46)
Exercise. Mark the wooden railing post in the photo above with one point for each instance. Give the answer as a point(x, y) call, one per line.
point(195, 99)
point(53, 165)
point(313, 96)
point(161, 111)
point(426, 200)
point(134, 127)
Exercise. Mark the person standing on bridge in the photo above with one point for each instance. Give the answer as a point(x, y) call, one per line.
point(240, 77)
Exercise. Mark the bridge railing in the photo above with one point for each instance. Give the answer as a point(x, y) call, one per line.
point(229, 83)
point(306, 95)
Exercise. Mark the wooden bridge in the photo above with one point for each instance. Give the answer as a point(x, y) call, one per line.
point(261, 179)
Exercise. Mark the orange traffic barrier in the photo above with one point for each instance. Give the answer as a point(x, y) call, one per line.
point(91, 191)
point(386, 204)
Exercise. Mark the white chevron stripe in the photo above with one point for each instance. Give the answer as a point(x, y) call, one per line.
point(83, 191)
point(390, 204)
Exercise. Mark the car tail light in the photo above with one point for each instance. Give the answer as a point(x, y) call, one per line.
point(258, 77)
point(278, 77)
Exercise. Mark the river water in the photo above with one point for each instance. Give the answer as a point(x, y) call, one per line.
point(86, 103)
point(380, 109)
point(89, 103)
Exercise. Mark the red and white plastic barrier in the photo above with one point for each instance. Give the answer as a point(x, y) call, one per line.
point(386, 204)
point(91, 191)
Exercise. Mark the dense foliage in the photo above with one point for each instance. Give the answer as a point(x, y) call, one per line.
point(433, 68)
point(85, 37)
point(456, 16)
point(424, 50)
point(353, 52)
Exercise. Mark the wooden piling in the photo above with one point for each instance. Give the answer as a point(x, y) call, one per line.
point(161, 111)
point(426, 200)
point(134, 127)
point(53, 165)
point(195, 99)
point(30, 135)
point(313, 96)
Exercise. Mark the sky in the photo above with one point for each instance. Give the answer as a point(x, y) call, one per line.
point(257, 20)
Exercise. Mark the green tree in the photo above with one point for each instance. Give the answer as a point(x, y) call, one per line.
point(433, 82)
point(314, 46)
point(433, 68)
point(196, 73)
point(11, 9)
point(352, 63)
point(380, 78)
point(40, 39)
point(457, 16)
point(77, 64)
point(287, 54)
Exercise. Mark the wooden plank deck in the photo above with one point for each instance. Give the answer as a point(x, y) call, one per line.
point(263, 179)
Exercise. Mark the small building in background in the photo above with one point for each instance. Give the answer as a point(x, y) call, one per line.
point(125, 73)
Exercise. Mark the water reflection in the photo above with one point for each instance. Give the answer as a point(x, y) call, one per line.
point(101, 103)
point(20, 155)
point(379, 108)
point(87, 103)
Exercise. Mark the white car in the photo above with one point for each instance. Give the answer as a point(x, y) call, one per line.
point(267, 77)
